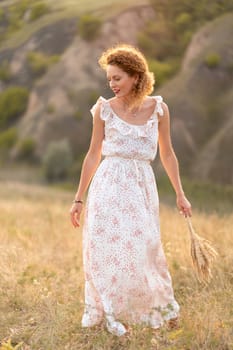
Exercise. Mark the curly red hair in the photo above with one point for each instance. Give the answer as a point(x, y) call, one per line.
point(133, 62)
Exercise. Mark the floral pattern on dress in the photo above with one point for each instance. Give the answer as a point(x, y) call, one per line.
point(126, 274)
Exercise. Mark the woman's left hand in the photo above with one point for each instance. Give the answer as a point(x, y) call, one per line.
point(184, 205)
point(75, 212)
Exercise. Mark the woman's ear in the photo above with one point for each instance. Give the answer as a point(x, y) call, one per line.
point(136, 77)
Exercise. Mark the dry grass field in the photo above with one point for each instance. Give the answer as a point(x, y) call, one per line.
point(41, 279)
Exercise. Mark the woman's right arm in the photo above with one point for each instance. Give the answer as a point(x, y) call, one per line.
point(89, 166)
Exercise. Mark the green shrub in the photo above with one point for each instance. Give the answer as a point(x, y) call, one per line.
point(230, 67)
point(14, 24)
point(57, 160)
point(71, 94)
point(186, 38)
point(89, 27)
point(201, 10)
point(2, 37)
point(39, 62)
point(38, 10)
point(161, 70)
point(78, 115)
point(16, 13)
point(183, 21)
point(76, 167)
point(156, 40)
point(26, 148)
point(93, 96)
point(50, 108)
point(13, 102)
point(168, 35)
point(5, 72)
point(212, 60)
point(2, 15)
point(146, 43)
point(8, 138)
point(19, 8)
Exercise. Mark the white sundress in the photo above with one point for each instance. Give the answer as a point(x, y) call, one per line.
point(126, 274)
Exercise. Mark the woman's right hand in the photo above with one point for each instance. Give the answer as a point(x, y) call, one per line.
point(75, 212)
point(184, 205)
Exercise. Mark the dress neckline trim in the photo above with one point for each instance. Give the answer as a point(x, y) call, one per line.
point(130, 124)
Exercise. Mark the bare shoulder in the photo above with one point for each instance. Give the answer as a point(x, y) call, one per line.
point(150, 101)
point(148, 104)
point(111, 99)
point(165, 108)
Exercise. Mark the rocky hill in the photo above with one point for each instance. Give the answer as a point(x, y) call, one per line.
point(201, 103)
point(199, 96)
point(59, 101)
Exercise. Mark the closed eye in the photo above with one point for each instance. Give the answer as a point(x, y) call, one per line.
point(114, 78)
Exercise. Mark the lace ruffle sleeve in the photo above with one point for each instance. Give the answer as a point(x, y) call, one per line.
point(158, 107)
point(104, 112)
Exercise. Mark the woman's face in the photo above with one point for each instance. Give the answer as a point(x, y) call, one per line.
point(120, 82)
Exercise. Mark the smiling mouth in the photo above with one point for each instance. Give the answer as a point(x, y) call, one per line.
point(116, 91)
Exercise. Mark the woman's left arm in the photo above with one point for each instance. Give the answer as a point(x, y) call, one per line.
point(170, 162)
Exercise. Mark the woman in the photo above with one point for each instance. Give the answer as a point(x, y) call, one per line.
point(126, 275)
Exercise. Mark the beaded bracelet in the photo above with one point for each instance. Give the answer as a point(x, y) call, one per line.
point(77, 201)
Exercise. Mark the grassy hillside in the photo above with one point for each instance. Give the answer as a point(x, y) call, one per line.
point(41, 292)
point(63, 9)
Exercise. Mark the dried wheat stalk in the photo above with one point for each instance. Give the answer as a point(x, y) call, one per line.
point(202, 254)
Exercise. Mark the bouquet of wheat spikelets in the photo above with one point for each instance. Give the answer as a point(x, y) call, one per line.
point(202, 254)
